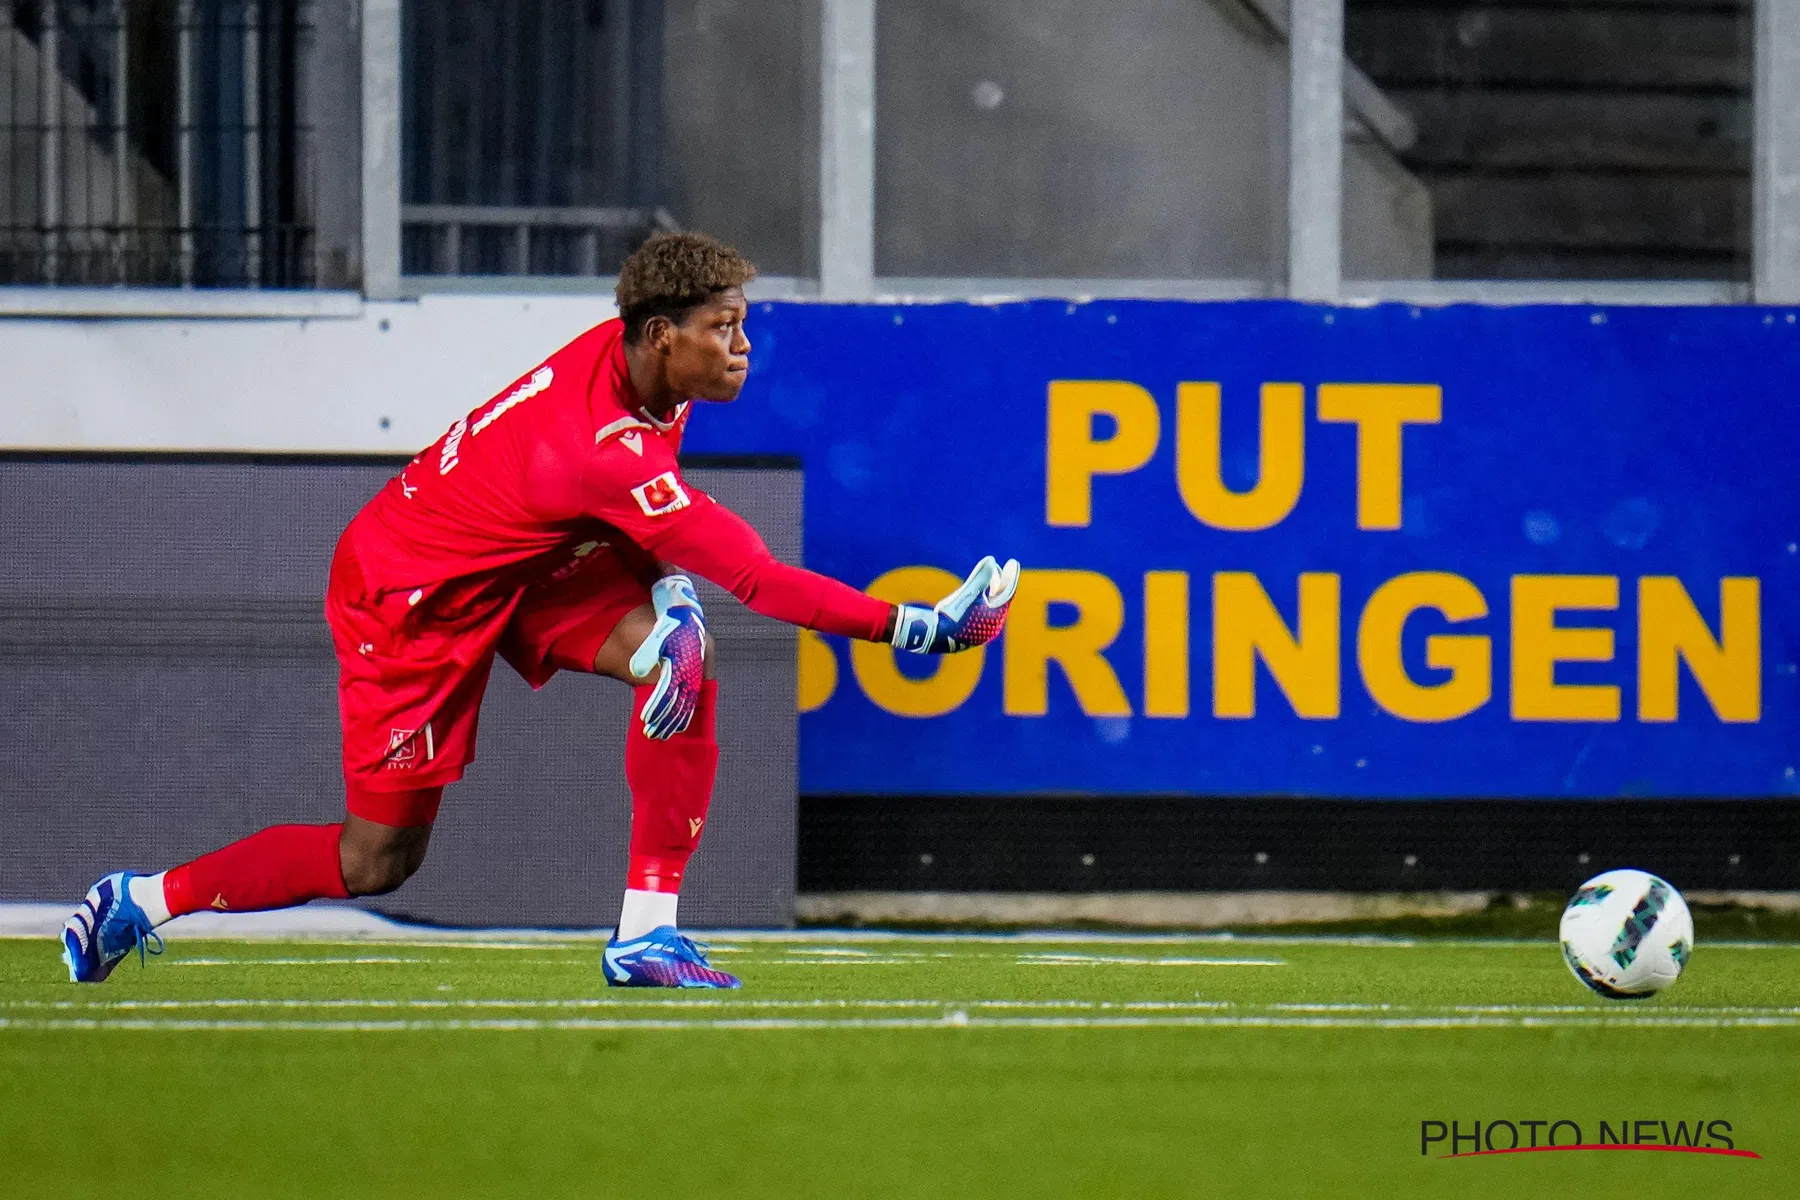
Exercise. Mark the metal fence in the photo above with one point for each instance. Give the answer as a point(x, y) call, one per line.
point(154, 142)
point(530, 135)
point(1644, 152)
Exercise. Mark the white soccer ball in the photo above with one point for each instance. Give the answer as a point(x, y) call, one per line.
point(1627, 934)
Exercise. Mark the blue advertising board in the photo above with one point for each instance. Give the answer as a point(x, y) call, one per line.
point(1274, 548)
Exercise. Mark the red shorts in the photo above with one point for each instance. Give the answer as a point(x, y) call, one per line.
point(413, 665)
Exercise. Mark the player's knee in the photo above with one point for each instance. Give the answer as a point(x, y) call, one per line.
point(374, 870)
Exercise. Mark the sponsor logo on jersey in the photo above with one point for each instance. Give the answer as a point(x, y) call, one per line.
point(661, 496)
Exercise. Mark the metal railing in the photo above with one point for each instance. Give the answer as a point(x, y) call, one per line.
point(479, 239)
point(531, 135)
point(154, 142)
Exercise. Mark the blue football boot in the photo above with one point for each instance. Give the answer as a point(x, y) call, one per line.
point(662, 958)
point(108, 926)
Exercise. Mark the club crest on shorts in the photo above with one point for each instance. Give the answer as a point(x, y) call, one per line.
point(402, 748)
point(661, 496)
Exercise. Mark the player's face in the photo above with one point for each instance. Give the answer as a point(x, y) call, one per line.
point(709, 356)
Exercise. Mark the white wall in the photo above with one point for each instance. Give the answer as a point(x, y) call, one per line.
point(322, 384)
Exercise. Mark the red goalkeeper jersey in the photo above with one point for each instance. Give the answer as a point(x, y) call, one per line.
point(564, 456)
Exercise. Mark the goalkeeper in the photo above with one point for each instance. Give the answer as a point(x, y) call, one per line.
point(550, 527)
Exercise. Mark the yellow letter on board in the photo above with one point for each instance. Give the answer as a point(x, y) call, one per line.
point(1032, 643)
point(1380, 412)
point(1166, 644)
point(1671, 630)
point(1468, 657)
point(955, 675)
point(1281, 458)
point(1246, 626)
point(1072, 457)
point(1538, 644)
point(818, 671)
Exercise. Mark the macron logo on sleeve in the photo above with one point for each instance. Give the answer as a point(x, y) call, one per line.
point(661, 496)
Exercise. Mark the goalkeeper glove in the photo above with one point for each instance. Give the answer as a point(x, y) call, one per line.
point(971, 616)
point(678, 642)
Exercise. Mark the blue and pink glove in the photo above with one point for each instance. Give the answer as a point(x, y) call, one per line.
point(973, 615)
point(678, 642)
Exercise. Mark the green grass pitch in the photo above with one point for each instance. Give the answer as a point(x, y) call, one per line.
point(885, 1066)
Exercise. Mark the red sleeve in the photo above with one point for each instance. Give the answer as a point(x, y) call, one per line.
point(720, 545)
point(644, 496)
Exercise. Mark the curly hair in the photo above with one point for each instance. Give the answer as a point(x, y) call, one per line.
point(674, 273)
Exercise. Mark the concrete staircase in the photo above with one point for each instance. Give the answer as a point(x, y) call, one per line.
point(1573, 139)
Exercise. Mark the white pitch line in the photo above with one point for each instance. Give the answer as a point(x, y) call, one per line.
point(70, 1006)
point(295, 962)
point(586, 947)
point(1099, 960)
point(1106, 1013)
point(581, 1003)
point(472, 1004)
point(956, 1019)
point(838, 962)
point(871, 960)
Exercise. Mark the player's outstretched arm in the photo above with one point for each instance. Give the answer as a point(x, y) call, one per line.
point(973, 615)
point(639, 490)
point(717, 543)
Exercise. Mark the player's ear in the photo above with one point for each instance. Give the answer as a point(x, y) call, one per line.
point(659, 331)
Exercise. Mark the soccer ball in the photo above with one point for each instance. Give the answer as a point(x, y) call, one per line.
point(1627, 934)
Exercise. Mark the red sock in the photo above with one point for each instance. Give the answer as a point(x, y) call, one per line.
point(671, 788)
point(279, 867)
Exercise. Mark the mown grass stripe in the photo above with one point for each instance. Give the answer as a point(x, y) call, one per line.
point(956, 1019)
point(630, 1002)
